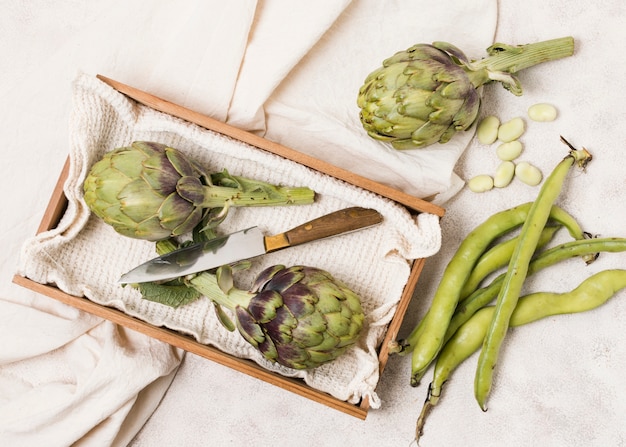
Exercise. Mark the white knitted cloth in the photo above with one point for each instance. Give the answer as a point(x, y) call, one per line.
point(85, 257)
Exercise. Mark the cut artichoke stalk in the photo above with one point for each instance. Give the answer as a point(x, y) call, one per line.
point(151, 191)
point(300, 317)
point(425, 94)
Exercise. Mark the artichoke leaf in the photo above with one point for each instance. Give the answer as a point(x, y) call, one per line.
point(225, 281)
point(265, 306)
point(174, 294)
point(223, 318)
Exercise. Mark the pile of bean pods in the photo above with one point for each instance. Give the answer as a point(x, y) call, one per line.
point(462, 319)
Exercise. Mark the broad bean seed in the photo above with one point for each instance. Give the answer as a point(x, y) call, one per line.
point(480, 183)
point(504, 174)
point(487, 130)
point(509, 151)
point(511, 130)
point(542, 112)
point(527, 173)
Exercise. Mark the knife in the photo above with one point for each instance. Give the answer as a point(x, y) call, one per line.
point(246, 244)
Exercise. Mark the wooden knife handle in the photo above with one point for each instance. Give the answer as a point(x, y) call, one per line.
point(338, 222)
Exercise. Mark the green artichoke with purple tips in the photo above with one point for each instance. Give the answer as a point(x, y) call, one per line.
point(427, 93)
point(151, 191)
point(300, 317)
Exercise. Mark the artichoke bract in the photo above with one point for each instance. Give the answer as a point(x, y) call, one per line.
point(300, 317)
point(427, 93)
point(151, 191)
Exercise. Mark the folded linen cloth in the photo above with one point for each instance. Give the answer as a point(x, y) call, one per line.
point(78, 380)
point(287, 71)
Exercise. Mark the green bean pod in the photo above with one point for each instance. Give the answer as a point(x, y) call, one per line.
point(517, 271)
point(429, 338)
point(490, 261)
point(590, 294)
point(498, 256)
point(582, 248)
point(458, 270)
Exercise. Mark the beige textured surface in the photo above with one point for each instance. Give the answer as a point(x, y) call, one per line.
point(561, 381)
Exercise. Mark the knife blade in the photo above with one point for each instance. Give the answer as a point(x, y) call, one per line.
point(248, 243)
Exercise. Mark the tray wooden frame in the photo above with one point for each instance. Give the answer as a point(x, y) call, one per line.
point(58, 204)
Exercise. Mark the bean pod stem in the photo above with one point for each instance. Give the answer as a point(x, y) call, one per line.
point(517, 271)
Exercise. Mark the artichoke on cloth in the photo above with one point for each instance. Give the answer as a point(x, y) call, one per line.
point(151, 191)
point(425, 94)
point(300, 317)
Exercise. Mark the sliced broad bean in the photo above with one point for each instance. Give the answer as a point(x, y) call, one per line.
point(504, 174)
point(480, 183)
point(509, 151)
point(527, 173)
point(542, 112)
point(511, 130)
point(487, 130)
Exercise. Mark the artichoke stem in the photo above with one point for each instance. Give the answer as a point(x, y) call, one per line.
point(206, 284)
point(165, 246)
point(218, 196)
point(513, 58)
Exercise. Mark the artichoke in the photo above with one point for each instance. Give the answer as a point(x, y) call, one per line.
point(300, 317)
point(427, 93)
point(151, 191)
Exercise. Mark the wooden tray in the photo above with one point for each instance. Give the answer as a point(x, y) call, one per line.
point(58, 204)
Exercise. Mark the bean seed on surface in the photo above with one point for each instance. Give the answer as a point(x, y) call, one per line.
point(480, 183)
point(487, 130)
point(511, 130)
point(527, 173)
point(504, 174)
point(542, 112)
point(509, 151)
